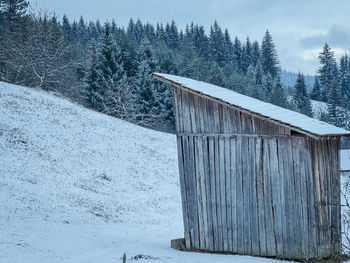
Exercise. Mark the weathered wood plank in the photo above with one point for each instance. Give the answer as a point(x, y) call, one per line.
point(187, 191)
point(233, 176)
point(254, 222)
point(293, 247)
point(203, 159)
point(192, 194)
point(199, 172)
point(322, 209)
point(239, 198)
point(209, 231)
point(192, 113)
point(303, 197)
point(311, 200)
point(176, 109)
point(284, 206)
point(223, 205)
point(187, 127)
point(246, 200)
point(213, 192)
point(270, 231)
point(228, 196)
point(260, 192)
point(216, 117)
point(183, 188)
point(317, 193)
point(297, 205)
point(218, 186)
point(337, 199)
point(276, 196)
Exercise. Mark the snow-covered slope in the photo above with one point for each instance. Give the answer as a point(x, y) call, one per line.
point(80, 186)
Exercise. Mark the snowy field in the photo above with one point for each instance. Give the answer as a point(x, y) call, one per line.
point(79, 186)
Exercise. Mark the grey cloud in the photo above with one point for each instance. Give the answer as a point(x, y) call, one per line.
point(337, 37)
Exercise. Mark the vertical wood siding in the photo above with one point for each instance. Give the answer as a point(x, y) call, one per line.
point(272, 194)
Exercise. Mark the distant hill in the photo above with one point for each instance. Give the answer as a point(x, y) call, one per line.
point(289, 78)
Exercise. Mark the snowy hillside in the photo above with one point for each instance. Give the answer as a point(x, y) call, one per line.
point(79, 186)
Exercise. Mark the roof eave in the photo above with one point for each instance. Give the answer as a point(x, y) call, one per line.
point(255, 114)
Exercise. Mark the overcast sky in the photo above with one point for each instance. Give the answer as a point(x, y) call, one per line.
point(299, 28)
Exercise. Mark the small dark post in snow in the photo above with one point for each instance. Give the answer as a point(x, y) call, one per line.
point(124, 258)
point(255, 179)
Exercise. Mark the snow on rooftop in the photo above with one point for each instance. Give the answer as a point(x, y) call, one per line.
point(266, 110)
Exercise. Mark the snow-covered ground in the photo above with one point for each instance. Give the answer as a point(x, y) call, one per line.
point(80, 186)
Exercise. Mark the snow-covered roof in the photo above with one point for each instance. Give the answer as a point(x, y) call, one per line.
point(263, 110)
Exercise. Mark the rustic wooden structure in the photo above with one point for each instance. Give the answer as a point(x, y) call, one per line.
point(255, 179)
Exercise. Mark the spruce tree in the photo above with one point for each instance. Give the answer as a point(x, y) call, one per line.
point(255, 53)
point(201, 41)
point(344, 76)
point(269, 58)
point(238, 55)
point(217, 44)
point(228, 48)
point(327, 73)
point(14, 12)
point(92, 91)
point(335, 107)
point(267, 83)
point(66, 29)
point(146, 92)
point(247, 58)
point(316, 90)
point(278, 96)
point(301, 97)
point(111, 77)
point(172, 36)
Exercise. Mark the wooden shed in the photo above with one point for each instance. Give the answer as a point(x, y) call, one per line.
point(256, 179)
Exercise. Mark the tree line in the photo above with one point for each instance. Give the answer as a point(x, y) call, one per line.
point(108, 68)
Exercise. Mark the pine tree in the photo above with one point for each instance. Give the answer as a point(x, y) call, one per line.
point(160, 33)
point(335, 109)
point(82, 31)
point(301, 97)
point(269, 58)
point(146, 97)
point(267, 83)
point(172, 36)
point(344, 76)
point(316, 90)
point(238, 55)
point(108, 88)
point(201, 41)
point(327, 73)
point(14, 12)
point(217, 44)
point(255, 53)
point(247, 59)
point(278, 95)
point(228, 48)
point(66, 28)
point(92, 91)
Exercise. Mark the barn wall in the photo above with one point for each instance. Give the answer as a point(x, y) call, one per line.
point(219, 118)
point(256, 195)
